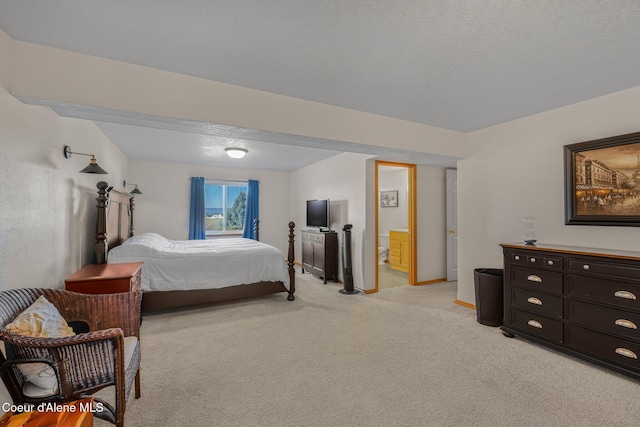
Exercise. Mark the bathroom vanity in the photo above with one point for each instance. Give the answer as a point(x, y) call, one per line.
point(399, 250)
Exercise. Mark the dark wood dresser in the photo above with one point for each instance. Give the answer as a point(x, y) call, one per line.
point(106, 278)
point(320, 254)
point(583, 301)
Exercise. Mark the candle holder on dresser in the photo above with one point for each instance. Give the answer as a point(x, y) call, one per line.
point(529, 230)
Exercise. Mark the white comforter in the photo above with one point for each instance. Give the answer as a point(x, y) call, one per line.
point(200, 264)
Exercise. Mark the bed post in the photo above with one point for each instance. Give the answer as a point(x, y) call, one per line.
point(290, 261)
point(131, 216)
point(256, 229)
point(100, 246)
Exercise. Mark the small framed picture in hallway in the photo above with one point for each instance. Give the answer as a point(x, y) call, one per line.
point(602, 181)
point(389, 199)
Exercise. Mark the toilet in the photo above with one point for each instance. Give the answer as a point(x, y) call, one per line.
point(383, 249)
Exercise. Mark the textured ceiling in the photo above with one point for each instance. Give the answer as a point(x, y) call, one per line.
point(456, 64)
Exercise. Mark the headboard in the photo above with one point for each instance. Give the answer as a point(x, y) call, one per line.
point(114, 220)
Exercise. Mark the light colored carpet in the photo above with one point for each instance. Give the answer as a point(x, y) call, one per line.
point(407, 356)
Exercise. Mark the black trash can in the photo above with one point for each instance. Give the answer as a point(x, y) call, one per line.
point(489, 302)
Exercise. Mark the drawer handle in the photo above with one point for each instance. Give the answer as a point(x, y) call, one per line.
point(534, 300)
point(586, 266)
point(550, 262)
point(534, 278)
point(517, 258)
point(626, 353)
point(626, 323)
point(625, 295)
point(533, 260)
point(535, 324)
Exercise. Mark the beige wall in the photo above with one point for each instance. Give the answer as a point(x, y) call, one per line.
point(517, 170)
point(164, 205)
point(53, 74)
point(350, 185)
point(431, 223)
point(511, 170)
point(342, 180)
point(5, 61)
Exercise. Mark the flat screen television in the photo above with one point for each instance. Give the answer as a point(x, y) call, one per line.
point(318, 214)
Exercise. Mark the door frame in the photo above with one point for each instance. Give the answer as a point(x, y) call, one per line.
point(452, 224)
point(411, 220)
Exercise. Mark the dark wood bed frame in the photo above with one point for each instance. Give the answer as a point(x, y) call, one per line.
point(114, 224)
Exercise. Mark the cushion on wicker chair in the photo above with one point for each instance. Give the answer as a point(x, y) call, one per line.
point(40, 320)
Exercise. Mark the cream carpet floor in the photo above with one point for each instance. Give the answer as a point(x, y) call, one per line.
point(407, 356)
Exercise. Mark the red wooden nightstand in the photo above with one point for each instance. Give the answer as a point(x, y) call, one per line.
point(106, 278)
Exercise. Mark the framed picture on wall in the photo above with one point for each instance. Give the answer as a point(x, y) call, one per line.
point(602, 181)
point(389, 199)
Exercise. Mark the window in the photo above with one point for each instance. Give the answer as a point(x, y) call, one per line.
point(224, 206)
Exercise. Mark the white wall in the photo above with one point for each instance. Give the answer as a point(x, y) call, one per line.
point(342, 180)
point(164, 205)
point(47, 214)
point(518, 170)
point(390, 179)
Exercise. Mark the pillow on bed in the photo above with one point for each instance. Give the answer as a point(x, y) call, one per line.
point(149, 239)
point(152, 237)
point(40, 320)
point(139, 245)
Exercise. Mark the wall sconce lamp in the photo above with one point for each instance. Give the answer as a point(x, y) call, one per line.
point(236, 152)
point(93, 165)
point(135, 189)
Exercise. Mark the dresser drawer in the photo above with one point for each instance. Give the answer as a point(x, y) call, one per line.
point(619, 294)
point(541, 280)
point(594, 266)
point(537, 302)
point(604, 346)
point(539, 260)
point(539, 326)
point(314, 237)
point(605, 319)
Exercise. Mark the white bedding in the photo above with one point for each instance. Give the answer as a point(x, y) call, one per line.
point(200, 264)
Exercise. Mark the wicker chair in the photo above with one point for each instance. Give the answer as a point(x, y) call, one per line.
point(84, 363)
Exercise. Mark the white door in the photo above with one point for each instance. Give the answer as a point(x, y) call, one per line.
point(452, 224)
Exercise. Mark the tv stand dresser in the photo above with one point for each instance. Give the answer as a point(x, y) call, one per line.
point(320, 254)
point(583, 301)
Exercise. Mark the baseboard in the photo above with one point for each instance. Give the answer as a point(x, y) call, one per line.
point(429, 282)
point(465, 304)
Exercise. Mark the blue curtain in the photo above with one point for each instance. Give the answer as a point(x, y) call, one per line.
point(196, 209)
point(251, 212)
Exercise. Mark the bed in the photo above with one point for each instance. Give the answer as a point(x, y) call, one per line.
point(179, 273)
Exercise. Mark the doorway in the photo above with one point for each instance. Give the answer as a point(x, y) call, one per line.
point(395, 224)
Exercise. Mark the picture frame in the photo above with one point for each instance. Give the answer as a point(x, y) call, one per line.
point(389, 199)
point(602, 181)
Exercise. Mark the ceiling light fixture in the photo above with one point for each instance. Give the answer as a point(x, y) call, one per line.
point(135, 189)
point(236, 152)
point(93, 165)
